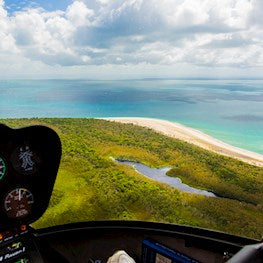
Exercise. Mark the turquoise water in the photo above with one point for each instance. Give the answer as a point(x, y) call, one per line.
point(230, 110)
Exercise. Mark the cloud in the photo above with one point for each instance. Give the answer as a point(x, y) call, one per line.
point(208, 33)
point(78, 14)
point(255, 16)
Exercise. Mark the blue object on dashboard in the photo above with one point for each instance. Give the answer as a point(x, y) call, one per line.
point(154, 252)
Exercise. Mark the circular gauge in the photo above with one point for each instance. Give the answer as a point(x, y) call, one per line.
point(18, 203)
point(25, 160)
point(2, 168)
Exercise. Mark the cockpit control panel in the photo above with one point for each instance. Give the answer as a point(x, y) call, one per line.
point(29, 161)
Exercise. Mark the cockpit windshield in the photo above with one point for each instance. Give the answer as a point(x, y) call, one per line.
point(158, 105)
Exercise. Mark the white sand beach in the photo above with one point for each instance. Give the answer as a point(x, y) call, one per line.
point(179, 131)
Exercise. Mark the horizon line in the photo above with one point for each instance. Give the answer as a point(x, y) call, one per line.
point(142, 79)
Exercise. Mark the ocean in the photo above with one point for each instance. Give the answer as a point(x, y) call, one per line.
point(229, 110)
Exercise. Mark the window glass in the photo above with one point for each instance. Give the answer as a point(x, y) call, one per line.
point(158, 104)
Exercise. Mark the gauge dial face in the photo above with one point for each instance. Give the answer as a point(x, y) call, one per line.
point(18, 203)
point(25, 160)
point(2, 168)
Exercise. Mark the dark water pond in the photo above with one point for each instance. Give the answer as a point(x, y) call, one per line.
point(160, 176)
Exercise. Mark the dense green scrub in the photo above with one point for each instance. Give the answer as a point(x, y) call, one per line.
point(90, 186)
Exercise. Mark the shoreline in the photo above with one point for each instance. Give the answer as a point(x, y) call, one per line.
point(196, 137)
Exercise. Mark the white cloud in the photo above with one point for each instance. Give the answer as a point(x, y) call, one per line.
point(214, 33)
point(256, 17)
point(79, 14)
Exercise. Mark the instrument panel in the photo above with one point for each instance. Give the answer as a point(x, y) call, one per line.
point(29, 161)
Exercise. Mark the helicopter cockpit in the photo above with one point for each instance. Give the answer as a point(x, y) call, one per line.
point(29, 161)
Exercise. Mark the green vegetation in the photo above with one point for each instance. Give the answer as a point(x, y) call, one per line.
point(90, 186)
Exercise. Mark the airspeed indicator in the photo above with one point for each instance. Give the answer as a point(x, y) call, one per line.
point(18, 203)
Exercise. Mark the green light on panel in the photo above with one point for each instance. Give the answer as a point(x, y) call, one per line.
point(2, 168)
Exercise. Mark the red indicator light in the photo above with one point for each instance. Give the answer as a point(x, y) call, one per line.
point(23, 227)
point(8, 234)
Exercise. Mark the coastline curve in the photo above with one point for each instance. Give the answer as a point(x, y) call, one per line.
point(193, 136)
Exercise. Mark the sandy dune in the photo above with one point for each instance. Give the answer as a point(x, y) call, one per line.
point(179, 131)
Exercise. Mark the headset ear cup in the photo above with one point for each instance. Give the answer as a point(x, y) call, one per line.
point(120, 256)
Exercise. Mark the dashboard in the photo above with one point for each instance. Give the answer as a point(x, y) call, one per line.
point(29, 161)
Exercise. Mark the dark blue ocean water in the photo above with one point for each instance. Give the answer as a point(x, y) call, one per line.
point(230, 110)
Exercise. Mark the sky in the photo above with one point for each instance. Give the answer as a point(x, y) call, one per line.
point(131, 39)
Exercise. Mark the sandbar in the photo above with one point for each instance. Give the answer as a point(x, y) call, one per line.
point(190, 135)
